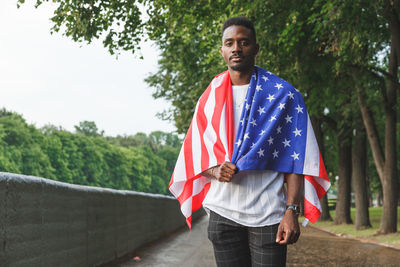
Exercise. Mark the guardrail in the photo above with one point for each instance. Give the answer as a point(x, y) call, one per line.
point(49, 223)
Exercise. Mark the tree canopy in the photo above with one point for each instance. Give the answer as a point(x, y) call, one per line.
point(87, 159)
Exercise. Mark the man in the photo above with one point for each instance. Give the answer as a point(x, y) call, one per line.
point(252, 215)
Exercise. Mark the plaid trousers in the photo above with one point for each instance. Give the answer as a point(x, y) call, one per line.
point(241, 246)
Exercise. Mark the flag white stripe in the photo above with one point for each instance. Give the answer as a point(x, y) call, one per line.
point(186, 207)
point(210, 136)
point(222, 133)
point(311, 160)
point(322, 182)
point(198, 184)
point(196, 144)
point(311, 194)
point(177, 186)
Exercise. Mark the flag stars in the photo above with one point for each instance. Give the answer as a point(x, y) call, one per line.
point(286, 143)
point(275, 154)
point(242, 122)
point(253, 122)
point(265, 78)
point(278, 85)
point(260, 153)
point(261, 110)
point(246, 135)
point(299, 109)
point(252, 145)
point(281, 106)
point(288, 118)
point(273, 118)
point(247, 106)
point(270, 97)
point(262, 132)
point(258, 88)
point(279, 129)
point(295, 155)
point(270, 140)
point(291, 95)
point(239, 142)
point(297, 132)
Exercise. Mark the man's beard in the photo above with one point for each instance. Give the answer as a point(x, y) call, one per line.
point(241, 67)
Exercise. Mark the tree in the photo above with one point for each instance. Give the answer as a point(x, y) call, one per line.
point(359, 34)
point(88, 128)
point(344, 184)
point(359, 174)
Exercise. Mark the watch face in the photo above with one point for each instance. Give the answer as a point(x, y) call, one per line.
point(295, 208)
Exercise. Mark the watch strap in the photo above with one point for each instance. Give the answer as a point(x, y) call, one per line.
point(295, 208)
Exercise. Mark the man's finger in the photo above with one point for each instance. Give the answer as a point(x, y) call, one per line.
point(227, 171)
point(279, 235)
point(286, 237)
point(229, 165)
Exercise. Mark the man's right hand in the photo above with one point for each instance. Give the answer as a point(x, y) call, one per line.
point(222, 173)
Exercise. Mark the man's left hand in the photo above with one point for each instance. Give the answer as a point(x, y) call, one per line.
point(289, 229)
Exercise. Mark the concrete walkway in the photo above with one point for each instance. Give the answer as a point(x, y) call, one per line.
point(183, 248)
point(314, 248)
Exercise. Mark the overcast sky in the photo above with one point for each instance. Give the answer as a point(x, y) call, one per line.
point(50, 79)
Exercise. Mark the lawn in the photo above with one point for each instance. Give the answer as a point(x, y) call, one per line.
point(375, 218)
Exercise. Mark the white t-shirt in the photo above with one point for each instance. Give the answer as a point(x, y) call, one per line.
point(253, 198)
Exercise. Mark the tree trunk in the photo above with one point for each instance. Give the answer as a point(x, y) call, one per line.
point(389, 181)
point(378, 197)
point(359, 162)
point(344, 183)
point(370, 204)
point(316, 122)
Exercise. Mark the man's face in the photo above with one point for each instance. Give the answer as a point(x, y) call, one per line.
point(239, 48)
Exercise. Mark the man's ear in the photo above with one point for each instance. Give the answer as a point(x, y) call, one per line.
point(257, 48)
point(220, 51)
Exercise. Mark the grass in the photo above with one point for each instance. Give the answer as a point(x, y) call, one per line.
point(366, 234)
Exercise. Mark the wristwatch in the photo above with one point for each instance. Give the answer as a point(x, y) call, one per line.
point(295, 208)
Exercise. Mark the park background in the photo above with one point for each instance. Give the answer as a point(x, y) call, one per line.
point(343, 56)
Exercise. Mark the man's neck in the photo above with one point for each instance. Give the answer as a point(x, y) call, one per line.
point(240, 77)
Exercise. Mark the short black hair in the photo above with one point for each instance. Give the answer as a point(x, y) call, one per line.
point(239, 21)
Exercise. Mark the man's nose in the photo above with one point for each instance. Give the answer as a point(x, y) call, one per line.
point(236, 47)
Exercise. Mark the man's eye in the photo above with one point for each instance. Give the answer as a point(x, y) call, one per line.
point(228, 43)
point(244, 43)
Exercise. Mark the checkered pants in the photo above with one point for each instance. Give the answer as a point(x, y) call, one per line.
point(241, 246)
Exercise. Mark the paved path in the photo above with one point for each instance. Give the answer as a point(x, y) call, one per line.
point(184, 248)
point(315, 248)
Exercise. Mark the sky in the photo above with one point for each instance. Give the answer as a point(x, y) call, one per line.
point(49, 79)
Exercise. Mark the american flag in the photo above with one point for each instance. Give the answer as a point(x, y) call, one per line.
point(275, 133)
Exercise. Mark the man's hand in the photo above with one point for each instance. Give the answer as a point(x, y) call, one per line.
point(222, 173)
point(288, 230)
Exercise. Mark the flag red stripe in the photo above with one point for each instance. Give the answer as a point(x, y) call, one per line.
point(189, 221)
point(197, 200)
point(229, 116)
point(322, 170)
point(311, 212)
